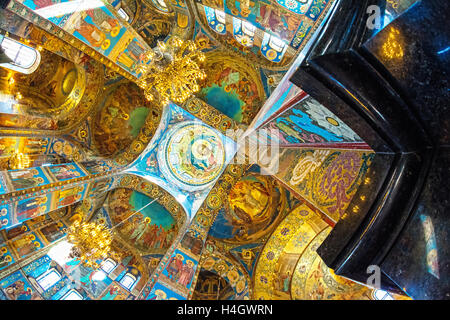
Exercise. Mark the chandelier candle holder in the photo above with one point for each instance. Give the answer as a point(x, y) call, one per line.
point(92, 242)
point(173, 72)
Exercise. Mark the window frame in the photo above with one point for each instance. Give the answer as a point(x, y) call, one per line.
point(11, 45)
point(386, 295)
point(129, 275)
point(46, 274)
point(68, 293)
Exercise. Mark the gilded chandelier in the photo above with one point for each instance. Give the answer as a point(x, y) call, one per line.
point(173, 72)
point(92, 242)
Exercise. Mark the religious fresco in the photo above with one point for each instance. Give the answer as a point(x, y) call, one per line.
point(313, 280)
point(229, 271)
point(66, 150)
point(70, 195)
point(310, 122)
point(203, 40)
point(31, 208)
point(152, 230)
point(327, 178)
point(290, 268)
point(17, 287)
point(38, 151)
point(163, 293)
point(247, 255)
point(276, 262)
point(44, 201)
point(122, 115)
point(211, 286)
point(73, 275)
point(115, 292)
point(6, 257)
point(25, 245)
point(283, 26)
point(254, 206)
point(99, 188)
point(54, 89)
point(185, 157)
point(20, 179)
point(197, 232)
point(53, 232)
point(191, 155)
point(30, 237)
point(99, 28)
point(232, 86)
point(180, 271)
point(25, 145)
point(153, 25)
point(64, 172)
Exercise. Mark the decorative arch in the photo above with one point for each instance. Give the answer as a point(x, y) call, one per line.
point(230, 271)
point(289, 260)
point(23, 59)
point(253, 208)
point(122, 119)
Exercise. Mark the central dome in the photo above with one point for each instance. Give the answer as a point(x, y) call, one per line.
point(191, 155)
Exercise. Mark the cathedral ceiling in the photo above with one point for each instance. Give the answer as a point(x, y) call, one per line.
point(262, 242)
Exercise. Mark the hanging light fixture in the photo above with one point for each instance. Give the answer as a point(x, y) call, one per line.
point(19, 160)
point(92, 242)
point(173, 72)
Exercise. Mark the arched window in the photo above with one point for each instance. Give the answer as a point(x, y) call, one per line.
point(161, 5)
point(216, 19)
point(23, 58)
point(273, 48)
point(128, 281)
point(72, 294)
point(48, 278)
point(106, 267)
point(123, 14)
point(379, 294)
point(244, 32)
point(220, 15)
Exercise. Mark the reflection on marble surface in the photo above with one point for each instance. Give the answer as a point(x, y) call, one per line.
point(420, 260)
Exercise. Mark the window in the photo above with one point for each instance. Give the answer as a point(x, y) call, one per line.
point(161, 5)
point(72, 295)
point(216, 19)
point(382, 295)
point(243, 32)
point(48, 279)
point(128, 281)
point(220, 16)
point(123, 14)
point(23, 58)
point(106, 267)
point(276, 43)
point(248, 28)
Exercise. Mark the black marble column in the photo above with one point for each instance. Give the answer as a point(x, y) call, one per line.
point(391, 87)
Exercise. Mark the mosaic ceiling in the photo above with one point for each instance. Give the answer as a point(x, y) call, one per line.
point(164, 177)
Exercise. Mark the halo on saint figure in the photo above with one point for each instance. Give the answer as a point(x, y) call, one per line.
point(106, 44)
point(115, 31)
point(161, 294)
point(201, 149)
